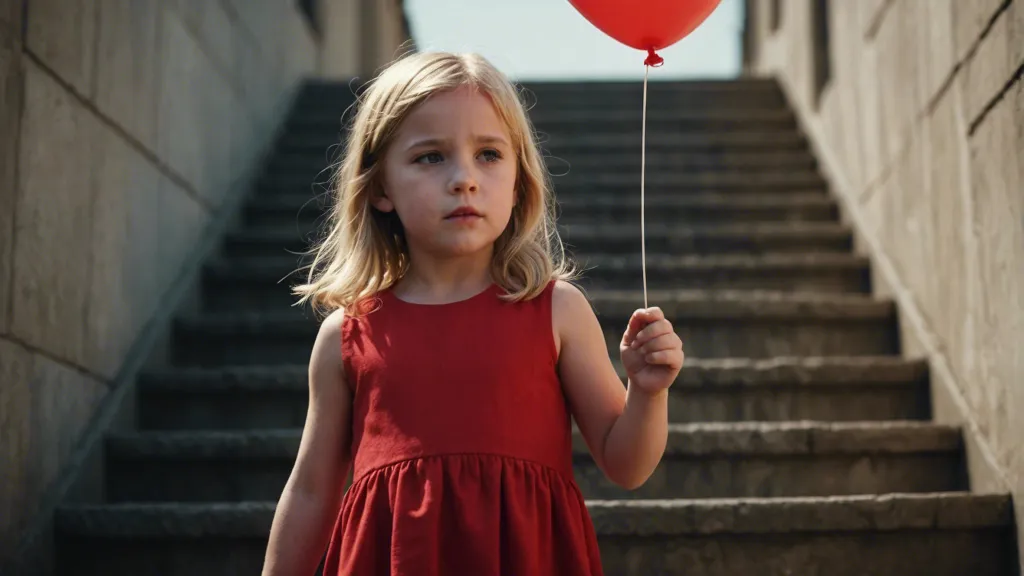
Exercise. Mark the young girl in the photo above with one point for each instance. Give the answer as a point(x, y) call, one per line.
point(455, 352)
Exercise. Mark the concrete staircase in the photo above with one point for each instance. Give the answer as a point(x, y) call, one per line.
point(800, 439)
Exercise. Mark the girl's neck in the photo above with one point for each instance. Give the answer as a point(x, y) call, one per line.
point(431, 279)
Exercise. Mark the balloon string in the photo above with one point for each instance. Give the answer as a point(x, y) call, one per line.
point(643, 170)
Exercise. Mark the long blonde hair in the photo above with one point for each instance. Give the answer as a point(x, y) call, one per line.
point(363, 250)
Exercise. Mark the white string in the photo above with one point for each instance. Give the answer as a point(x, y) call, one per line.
point(643, 169)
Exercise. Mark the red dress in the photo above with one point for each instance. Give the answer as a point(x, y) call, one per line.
point(462, 443)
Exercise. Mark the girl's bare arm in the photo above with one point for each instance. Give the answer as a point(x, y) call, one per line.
point(309, 503)
point(626, 429)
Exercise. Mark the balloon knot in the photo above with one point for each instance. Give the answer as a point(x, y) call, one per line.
point(653, 59)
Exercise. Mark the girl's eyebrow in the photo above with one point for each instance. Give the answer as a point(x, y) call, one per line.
point(438, 142)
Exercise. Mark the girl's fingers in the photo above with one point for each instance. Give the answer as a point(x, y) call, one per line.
point(672, 358)
point(640, 319)
point(668, 341)
point(653, 314)
point(652, 331)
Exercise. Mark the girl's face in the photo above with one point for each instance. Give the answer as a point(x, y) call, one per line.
point(450, 174)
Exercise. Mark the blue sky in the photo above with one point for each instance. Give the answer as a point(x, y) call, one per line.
point(542, 39)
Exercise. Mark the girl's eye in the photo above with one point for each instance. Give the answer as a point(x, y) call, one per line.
point(429, 158)
point(491, 155)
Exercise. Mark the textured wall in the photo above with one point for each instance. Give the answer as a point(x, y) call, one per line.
point(923, 124)
point(123, 125)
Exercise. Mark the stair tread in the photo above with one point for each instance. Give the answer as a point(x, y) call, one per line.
point(299, 200)
point(689, 440)
point(745, 229)
point(288, 232)
point(614, 115)
point(772, 139)
point(689, 304)
point(751, 162)
point(276, 267)
point(601, 178)
point(888, 512)
point(801, 372)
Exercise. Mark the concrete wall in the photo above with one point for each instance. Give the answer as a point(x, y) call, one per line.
point(385, 35)
point(921, 130)
point(126, 126)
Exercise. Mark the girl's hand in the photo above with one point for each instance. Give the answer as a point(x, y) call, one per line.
point(651, 352)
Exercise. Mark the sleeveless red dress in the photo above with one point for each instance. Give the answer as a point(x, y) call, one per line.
point(462, 444)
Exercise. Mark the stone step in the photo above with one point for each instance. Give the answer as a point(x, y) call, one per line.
point(747, 162)
point(596, 238)
point(939, 534)
point(329, 126)
point(706, 208)
point(332, 89)
point(710, 142)
point(822, 389)
point(832, 273)
point(758, 324)
point(265, 282)
point(599, 238)
point(661, 119)
point(601, 99)
point(323, 145)
point(592, 182)
point(724, 460)
point(744, 85)
point(665, 187)
point(620, 181)
point(311, 167)
point(712, 324)
point(331, 120)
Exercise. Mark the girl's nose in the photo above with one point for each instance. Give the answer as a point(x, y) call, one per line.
point(463, 180)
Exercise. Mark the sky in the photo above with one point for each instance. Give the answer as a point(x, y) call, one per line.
point(549, 39)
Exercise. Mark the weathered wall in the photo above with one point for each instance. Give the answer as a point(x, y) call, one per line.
point(345, 20)
point(921, 128)
point(124, 127)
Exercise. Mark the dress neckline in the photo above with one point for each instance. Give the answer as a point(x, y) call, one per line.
point(490, 289)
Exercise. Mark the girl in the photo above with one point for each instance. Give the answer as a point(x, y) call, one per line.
point(456, 351)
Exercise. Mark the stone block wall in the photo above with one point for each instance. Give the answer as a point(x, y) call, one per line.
point(125, 127)
point(919, 121)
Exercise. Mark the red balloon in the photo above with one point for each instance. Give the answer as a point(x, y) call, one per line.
point(646, 24)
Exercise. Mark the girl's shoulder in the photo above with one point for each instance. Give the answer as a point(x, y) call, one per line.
point(332, 325)
point(326, 357)
point(565, 294)
point(570, 311)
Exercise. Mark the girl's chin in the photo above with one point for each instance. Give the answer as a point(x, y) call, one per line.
point(461, 248)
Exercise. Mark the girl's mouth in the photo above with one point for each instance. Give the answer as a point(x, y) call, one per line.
point(462, 213)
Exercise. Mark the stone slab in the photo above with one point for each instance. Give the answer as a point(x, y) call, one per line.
point(218, 29)
point(651, 517)
point(778, 389)
point(997, 174)
point(938, 52)
point(16, 423)
point(125, 285)
point(127, 66)
point(909, 550)
point(44, 407)
point(969, 21)
point(11, 13)
point(62, 33)
point(945, 227)
point(999, 55)
point(181, 136)
point(182, 220)
point(53, 219)
point(12, 85)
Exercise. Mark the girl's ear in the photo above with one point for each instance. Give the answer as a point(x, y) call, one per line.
point(381, 202)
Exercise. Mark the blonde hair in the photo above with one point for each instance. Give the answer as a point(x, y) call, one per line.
point(363, 250)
